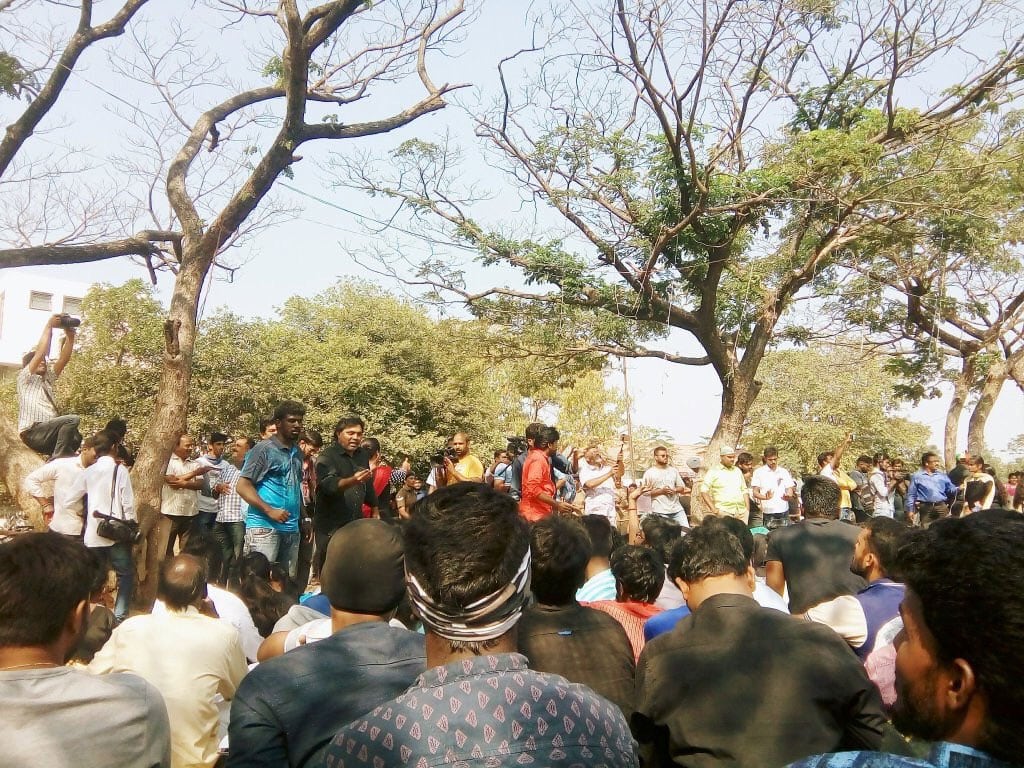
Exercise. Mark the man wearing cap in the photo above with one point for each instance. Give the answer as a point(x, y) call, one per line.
point(468, 574)
point(723, 490)
point(287, 709)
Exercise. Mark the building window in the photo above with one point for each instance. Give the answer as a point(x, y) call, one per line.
point(72, 306)
point(41, 301)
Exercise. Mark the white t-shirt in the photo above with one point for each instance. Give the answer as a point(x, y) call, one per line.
point(58, 478)
point(883, 498)
point(668, 505)
point(778, 481)
point(601, 499)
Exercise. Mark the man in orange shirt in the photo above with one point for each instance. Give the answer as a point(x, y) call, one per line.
point(538, 489)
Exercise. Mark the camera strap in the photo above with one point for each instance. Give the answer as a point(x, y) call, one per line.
point(113, 485)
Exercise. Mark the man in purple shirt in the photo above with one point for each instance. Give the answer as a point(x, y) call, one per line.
point(467, 563)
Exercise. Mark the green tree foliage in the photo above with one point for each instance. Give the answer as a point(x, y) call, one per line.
point(812, 397)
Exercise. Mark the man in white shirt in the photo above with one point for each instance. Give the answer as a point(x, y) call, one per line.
point(666, 487)
point(772, 487)
point(179, 497)
point(53, 486)
point(187, 656)
point(598, 481)
point(881, 487)
point(109, 490)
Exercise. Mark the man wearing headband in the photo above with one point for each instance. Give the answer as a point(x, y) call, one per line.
point(467, 560)
point(287, 709)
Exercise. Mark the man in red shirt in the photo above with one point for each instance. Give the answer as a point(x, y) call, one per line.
point(538, 489)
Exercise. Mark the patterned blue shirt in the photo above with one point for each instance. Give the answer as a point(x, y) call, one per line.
point(276, 473)
point(488, 711)
point(943, 755)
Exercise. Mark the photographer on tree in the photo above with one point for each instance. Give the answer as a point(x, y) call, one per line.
point(39, 425)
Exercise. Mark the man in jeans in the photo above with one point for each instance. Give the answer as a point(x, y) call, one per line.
point(271, 484)
point(39, 426)
point(229, 529)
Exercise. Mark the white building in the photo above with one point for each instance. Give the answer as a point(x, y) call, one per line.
point(26, 302)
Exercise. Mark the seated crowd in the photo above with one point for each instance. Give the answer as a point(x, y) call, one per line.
point(470, 628)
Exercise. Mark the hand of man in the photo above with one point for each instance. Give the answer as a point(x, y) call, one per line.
point(278, 515)
point(55, 321)
point(362, 475)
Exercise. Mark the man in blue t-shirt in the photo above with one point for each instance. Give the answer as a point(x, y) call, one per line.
point(271, 484)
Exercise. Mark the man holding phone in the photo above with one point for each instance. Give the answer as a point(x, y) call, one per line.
point(772, 487)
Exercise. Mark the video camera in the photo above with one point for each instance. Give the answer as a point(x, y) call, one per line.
point(516, 445)
point(67, 321)
point(439, 457)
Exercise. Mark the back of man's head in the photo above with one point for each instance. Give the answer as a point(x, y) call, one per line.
point(967, 575)
point(548, 436)
point(43, 578)
point(885, 536)
point(738, 529)
point(364, 569)
point(102, 441)
point(706, 552)
point(639, 573)
point(560, 550)
point(661, 534)
point(602, 537)
point(466, 543)
point(182, 582)
point(533, 430)
point(820, 497)
point(204, 547)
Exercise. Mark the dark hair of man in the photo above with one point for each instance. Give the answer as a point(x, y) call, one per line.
point(878, 458)
point(218, 437)
point(926, 456)
point(118, 427)
point(708, 551)
point(43, 577)
point(182, 581)
point(864, 459)
point(288, 408)
point(560, 550)
point(885, 536)
point(977, 614)
point(823, 458)
point(770, 452)
point(548, 435)
point(532, 431)
point(745, 458)
point(265, 422)
point(312, 437)
point(102, 441)
point(250, 442)
point(464, 542)
point(372, 444)
point(204, 547)
point(661, 534)
point(820, 497)
point(602, 537)
point(348, 421)
point(639, 572)
point(738, 529)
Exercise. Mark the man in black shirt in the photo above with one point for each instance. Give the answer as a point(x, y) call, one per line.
point(559, 635)
point(343, 483)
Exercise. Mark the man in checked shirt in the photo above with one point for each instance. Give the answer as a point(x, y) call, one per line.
point(229, 529)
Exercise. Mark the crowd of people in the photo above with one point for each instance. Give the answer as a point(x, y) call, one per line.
point(318, 605)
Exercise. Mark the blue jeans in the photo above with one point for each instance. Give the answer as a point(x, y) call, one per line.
point(119, 557)
point(279, 547)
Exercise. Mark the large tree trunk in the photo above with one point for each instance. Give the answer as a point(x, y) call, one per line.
point(979, 416)
point(170, 415)
point(17, 460)
point(961, 390)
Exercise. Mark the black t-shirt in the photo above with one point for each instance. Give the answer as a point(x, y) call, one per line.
point(815, 555)
point(334, 508)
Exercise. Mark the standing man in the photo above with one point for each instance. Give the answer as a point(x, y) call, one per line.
point(881, 484)
point(723, 489)
point(39, 425)
point(62, 511)
point(215, 461)
point(179, 497)
point(772, 487)
point(828, 466)
point(344, 483)
point(861, 498)
point(538, 486)
point(812, 558)
point(271, 484)
point(467, 561)
point(466, 468)
point(930, 492)
point(229, 529)
point(667, 488)
point(598, 481)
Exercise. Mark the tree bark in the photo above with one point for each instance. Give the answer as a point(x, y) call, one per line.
point(17, 460)
point(961, 390)
point(993, 383)
point(169, 419)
